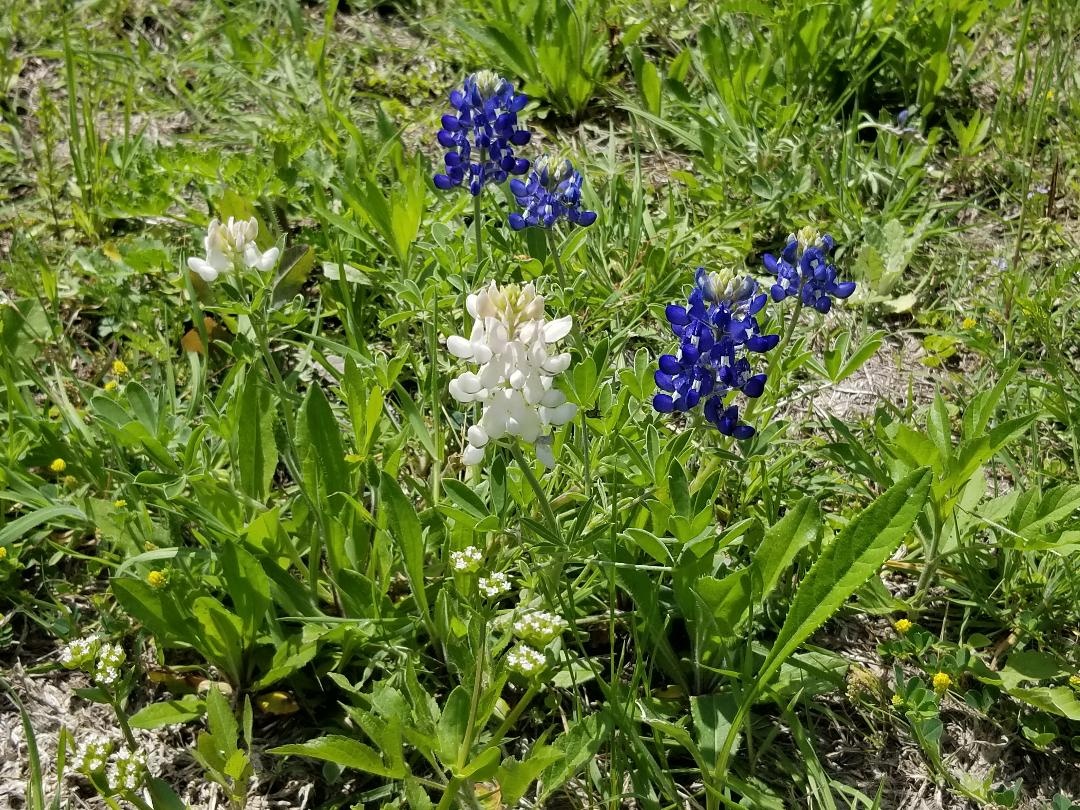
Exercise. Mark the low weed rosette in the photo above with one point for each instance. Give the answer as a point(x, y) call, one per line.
point(719, 334)
point(480, 135)
point(511, 344)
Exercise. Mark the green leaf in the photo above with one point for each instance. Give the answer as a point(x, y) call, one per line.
point(514, 778)
point(154, 609)
point(248, 588)
point(168, 712)
point(452, 724)
point(849, 561)
point(320, 439)
point(256, 450)
point(712, 716)
point(21, 525)
point(221, 721)
point(293, 270)
point(343, 751)
point(577, 746)
point(162, 797)
point(404, 526)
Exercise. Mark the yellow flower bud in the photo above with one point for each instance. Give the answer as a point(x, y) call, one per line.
point(119, 367)
point(157, 579)
point(58, 465)
point(3, 552)
point(942, 682)
point(111, 385)
point(119, 503)
point(902, 626)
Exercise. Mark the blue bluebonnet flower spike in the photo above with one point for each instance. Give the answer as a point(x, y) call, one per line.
point(551, 194)
point(803, 269)
point(718, 332)
point(481, 134)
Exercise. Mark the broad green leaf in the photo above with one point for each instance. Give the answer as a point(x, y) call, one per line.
point(319, 438)
point(712, 716)
point(404, 527)
point(256, 451)
point(222, 722)
point(168, 712)
point(248, 588)
point(343, 751)
point(452, 724)
point(849, 561)
point(514, 778)
point(577, 746)
point(155, 610)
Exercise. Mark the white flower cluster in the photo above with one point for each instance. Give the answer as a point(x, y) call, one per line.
point(525, 660)
point(90, 757)
point(109, 659)
point(78, 652)
point(126, 770)
point(230, 245)
point(467, 560)
point(539, 627)
point(494, 585)
point(509, 343)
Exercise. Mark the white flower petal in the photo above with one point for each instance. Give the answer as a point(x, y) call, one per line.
point(202, 269)
point(459, 347)
point(477, 436)
point(557, 329)
point(557, 364)
point(472, 456)
point(544, 452)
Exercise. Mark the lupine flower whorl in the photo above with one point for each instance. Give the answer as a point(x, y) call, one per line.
point(717, 332)
point(509, 343)
point(803, 269)
point(230, 246)
point(481, 134)
point(552, 193)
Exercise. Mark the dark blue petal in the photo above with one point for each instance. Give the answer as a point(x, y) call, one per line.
point(586, 218)
point(676, 315)
point(443, 182)
point(844, 289)
point(754, 386)
point(517, 222)
point(663, 403)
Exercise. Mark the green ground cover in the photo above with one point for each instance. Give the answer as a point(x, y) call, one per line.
point(280, 526)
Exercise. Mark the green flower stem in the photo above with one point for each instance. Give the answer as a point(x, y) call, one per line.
point(545, 504)
point(515, 713)
point(553, 249)
point(474, 701)
point(121, 718)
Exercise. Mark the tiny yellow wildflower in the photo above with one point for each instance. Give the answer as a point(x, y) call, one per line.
point(70, 481)
point(58, 465)
point(157, 579)
point(942, 682)
point(111, 385)
point(119, 367)
point(119, 503)
point(3, 552)
point(969, 323)
point(896, 700)
point(902, 626)
point(1074, 682)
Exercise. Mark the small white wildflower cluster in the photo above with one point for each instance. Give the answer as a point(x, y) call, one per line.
point(536, 629)
point(467, 560)
point(109, 659)
point(494, 585)
point(230, 245)
point(92, 755)
point(126, 770)
point(79, 653)
point(539, 627)
point(509, 342)
point(525, 660)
